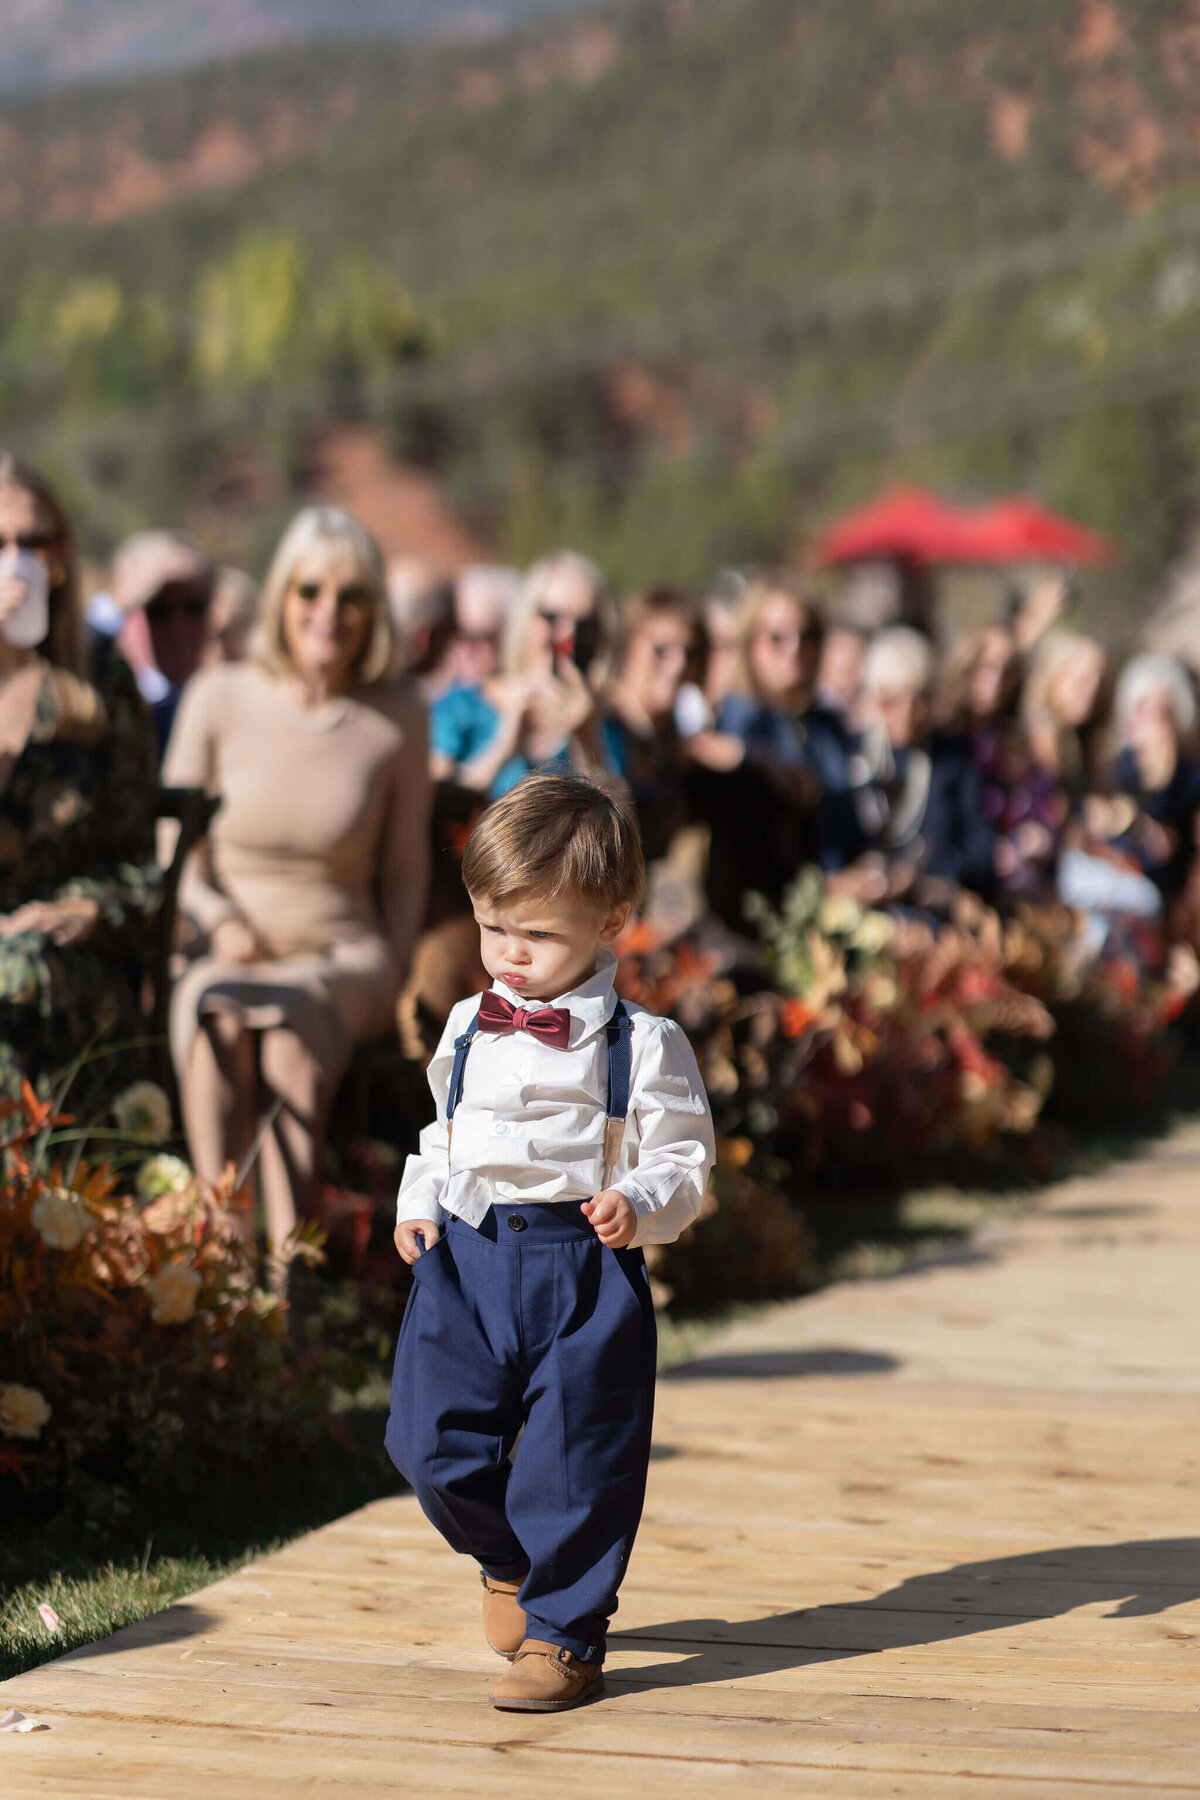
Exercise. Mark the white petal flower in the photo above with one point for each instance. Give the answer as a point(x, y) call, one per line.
point(60, 1218)
point(839, 914)
point(144, 1111)
point(173, 1293)
point(23, 1411)
point(874, 933)
point(163, 1175)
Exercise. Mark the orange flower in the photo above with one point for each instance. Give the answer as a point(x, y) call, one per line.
point(637, 940)
point(795, 1016)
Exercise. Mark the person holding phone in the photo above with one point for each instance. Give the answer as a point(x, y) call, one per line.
point(540, 710)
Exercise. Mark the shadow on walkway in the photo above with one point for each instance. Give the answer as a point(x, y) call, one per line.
point(182, 1620)
point(820, 1360)
point(1143, 1577)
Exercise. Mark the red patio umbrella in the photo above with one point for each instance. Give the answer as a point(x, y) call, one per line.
point(913, 526)
point(1020, 530)
point(904, 525)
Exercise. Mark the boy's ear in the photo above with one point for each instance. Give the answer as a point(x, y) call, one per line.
point(615, 923)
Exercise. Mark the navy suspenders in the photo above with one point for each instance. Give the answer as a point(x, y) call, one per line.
point(462, 1046)
point(617, 1031)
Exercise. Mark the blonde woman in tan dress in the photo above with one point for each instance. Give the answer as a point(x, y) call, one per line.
point(311, 885)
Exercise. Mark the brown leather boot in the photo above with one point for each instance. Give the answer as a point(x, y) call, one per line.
point(547, 1678)
point(503, 1619)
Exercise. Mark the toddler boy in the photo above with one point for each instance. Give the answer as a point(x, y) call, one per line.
point(572, 1128)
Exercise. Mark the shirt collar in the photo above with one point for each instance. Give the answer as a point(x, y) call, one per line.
point(590, 1004)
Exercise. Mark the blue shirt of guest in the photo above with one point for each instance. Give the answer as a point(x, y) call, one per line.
point(463, 722)
point(815, 740)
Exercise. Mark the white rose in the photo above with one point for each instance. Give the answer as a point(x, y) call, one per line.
point(23, 1411)
point(144, 1111)
point(874, 933)
point(839, 914)
point(163, 1175)
point(59, 1218)
point(173, 1293)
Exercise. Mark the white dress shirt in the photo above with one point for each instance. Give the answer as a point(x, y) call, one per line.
point(530, 1124)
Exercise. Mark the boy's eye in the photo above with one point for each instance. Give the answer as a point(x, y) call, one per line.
point(539, 934)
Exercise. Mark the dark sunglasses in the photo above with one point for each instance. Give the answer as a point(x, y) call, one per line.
point(356, 594)
point(30, 540)
point(179, 600)
point(790, 640)
point(490, 638)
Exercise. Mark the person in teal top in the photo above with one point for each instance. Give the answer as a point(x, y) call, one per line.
point(540, 712)
point(467, 730)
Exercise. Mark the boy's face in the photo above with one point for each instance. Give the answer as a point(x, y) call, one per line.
point(543, 948)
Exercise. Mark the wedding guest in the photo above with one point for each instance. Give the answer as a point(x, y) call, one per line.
point(711, 671)
point(917, 790)
point(541, 709)
point(78, 790)
point(311, 886)
point(1050, 760)
point(421, 607)
point(839, 678)
point(781, 787)
point(163, 586)
point(1156, 772)
point(231, 616)
point(485, 597)
point(980, 698)
point(640, 733)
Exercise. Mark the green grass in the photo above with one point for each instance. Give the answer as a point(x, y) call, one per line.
point(117, 1568)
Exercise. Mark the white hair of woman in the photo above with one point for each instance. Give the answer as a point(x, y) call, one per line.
point(1150, 674)
point(333, 530)
point(485, 594)
point(562, 582)
point(898, 658)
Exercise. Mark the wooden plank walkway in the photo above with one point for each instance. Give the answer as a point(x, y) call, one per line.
point(935, 1536)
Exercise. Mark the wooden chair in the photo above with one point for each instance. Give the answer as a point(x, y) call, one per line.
point(192, 810)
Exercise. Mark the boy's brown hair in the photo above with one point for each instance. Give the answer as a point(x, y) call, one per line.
point(552, 835)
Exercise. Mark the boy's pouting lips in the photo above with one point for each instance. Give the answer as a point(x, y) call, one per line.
point(542, 947)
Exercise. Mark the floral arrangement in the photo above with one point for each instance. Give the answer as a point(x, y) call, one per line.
point(870, 1035)
point(136, 1347)
point(860, 1039)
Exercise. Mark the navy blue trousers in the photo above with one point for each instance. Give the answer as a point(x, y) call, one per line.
point(529, 1321)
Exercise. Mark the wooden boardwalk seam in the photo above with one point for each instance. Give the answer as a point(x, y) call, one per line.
point(936, 1536)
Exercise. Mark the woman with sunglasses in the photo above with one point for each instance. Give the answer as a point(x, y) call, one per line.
point(540, 710)
point(658, 634)
point(774, 773)
point(309, 890)
point(78, 794)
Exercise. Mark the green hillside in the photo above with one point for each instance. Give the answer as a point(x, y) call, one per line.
point(670, 283)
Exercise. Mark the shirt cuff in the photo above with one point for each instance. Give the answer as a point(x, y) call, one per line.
point(418, 1203)
point(651, 1196)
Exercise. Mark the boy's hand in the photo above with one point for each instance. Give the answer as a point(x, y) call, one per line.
point(408, 1233)
point(612, 1217)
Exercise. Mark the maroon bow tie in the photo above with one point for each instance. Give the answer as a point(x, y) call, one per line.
point(549, 1024)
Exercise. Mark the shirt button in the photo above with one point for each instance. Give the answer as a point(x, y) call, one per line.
point(516, 1222)
point(500, 1128)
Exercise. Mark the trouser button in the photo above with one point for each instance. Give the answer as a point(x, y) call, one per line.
point(516, 1222)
